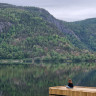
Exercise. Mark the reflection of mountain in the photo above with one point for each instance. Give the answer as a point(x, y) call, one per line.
point(89, 79)
point(35, 79)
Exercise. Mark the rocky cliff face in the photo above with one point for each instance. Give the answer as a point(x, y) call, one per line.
point(4, 25)
point(58, 23)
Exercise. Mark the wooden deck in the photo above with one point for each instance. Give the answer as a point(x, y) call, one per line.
point(76, 91)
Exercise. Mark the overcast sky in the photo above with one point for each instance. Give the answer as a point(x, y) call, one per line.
point(67, 10)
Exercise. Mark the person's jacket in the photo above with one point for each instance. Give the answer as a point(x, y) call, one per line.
point(70, 85)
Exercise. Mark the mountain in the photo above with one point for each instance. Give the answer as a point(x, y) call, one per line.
point(85, 30)
point(80, 33)
point(30, 32)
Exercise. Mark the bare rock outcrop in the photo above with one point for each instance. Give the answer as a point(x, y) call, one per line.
point(4, 25)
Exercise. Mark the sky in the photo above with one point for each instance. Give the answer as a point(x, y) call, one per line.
point(67, 10)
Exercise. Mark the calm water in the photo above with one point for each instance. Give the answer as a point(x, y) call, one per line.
point(35, 79)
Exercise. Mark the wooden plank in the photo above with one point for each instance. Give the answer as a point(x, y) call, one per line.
point(91, 94)
point(73, 93)
point(83, 93)
point(61, 92)
point(76, 91)
point(53, 91)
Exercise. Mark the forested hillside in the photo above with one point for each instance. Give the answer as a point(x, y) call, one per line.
point(85, 31)
point(29, 32)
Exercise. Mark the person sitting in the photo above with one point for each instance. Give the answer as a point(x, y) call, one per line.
point(70, 84)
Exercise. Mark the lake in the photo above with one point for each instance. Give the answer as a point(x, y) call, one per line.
point(35, 79)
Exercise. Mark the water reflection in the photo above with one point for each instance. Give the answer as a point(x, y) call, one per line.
point(56, 95)
point(35, 79)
